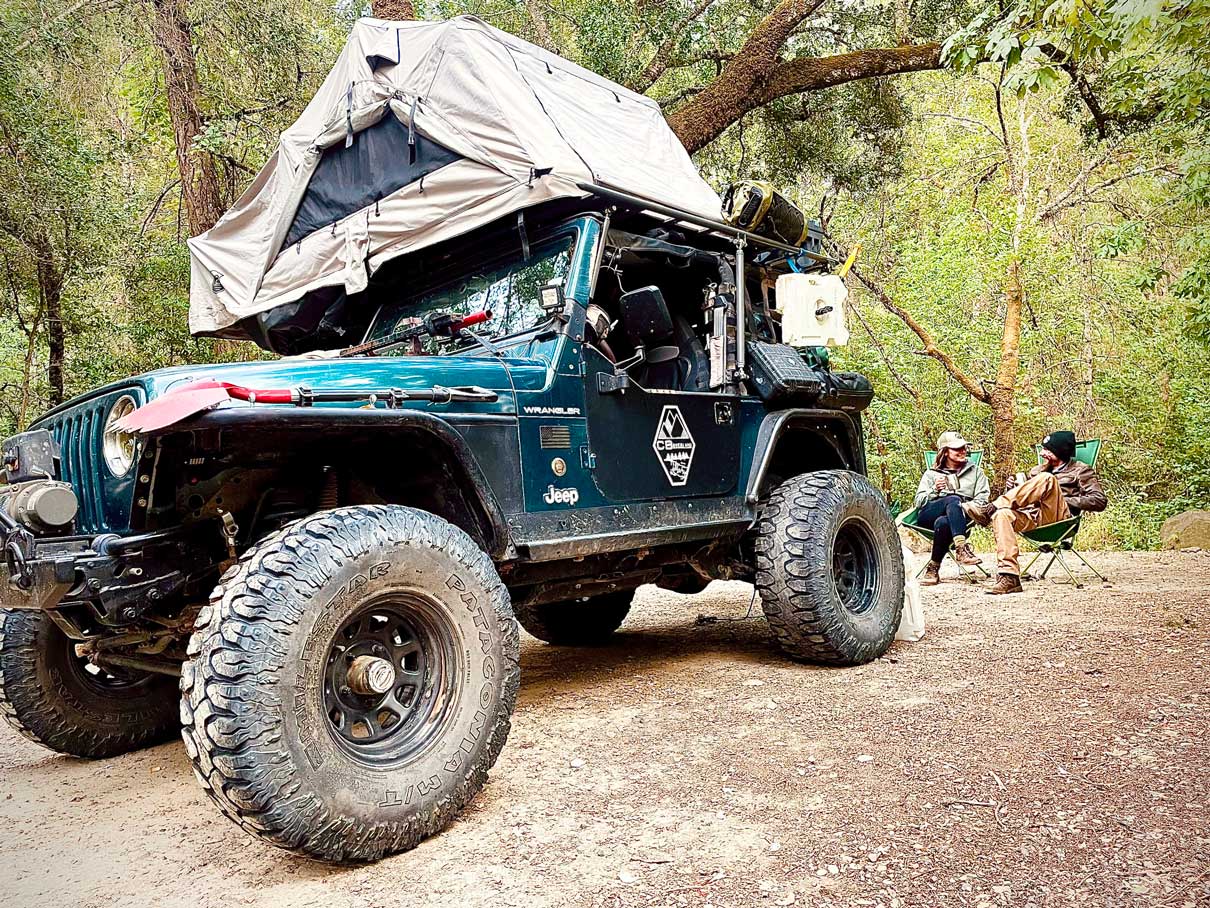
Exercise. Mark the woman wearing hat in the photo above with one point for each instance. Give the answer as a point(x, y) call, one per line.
point(952, 481)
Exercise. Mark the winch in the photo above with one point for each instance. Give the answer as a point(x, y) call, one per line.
point(33, 497)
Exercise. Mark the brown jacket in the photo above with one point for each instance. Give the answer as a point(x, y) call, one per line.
point(1080, 485)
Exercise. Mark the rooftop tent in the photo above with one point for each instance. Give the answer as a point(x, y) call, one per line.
point(421, 132)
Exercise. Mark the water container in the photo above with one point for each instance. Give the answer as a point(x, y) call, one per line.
point(812, 310)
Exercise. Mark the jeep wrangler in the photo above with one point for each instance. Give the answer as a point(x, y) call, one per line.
point(333, 552)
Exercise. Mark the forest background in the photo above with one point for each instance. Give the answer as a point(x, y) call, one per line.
point(1029, 184)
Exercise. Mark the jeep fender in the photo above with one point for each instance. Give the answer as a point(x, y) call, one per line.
point(803, 440)
point(252, 428)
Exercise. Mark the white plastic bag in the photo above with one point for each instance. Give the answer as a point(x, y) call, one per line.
point(911, 625)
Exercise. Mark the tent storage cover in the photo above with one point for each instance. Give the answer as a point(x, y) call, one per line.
point(421, 132)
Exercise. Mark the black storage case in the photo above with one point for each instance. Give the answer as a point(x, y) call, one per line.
point(779, 374)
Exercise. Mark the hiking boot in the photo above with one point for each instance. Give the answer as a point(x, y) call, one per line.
point(1005, 583)
point(932, 574)
point(979, 513)
point(964, 554)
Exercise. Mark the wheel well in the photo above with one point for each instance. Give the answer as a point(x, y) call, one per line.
point(808, 446)
point(270, 477)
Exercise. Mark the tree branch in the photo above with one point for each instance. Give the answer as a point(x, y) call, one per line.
point(662, 58)
point(814, 73)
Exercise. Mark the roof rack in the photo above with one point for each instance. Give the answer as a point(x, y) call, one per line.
point(678, 215)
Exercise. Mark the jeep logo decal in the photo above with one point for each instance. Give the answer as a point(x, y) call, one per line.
point(561, 496)
point(674, 445)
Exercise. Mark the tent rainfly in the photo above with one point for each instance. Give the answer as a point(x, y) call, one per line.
point(421, 132)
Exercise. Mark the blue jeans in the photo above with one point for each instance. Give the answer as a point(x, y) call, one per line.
point(944, 516)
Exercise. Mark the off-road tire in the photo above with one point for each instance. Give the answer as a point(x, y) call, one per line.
point(815, 532)
point(49, 696)
point(255, 696)
point(576, 622)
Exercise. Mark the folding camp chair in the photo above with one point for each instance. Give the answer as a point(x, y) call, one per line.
point(908, 521)
point(1055, 538)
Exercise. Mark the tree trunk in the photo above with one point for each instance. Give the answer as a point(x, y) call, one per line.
point(50, 286)
point(394, 10)
point(199, 172)
point(1004, 396)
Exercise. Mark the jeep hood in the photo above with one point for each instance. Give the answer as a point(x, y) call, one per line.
point(409, 373)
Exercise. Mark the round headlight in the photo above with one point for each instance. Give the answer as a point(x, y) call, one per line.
point(117, 447)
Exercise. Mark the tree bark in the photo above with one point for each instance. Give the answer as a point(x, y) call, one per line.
point(394, 10)
point(199, 172)
point(755, 77)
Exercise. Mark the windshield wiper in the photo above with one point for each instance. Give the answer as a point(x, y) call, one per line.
point(435, 324)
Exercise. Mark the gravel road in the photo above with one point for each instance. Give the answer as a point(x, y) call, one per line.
point(1043, 749)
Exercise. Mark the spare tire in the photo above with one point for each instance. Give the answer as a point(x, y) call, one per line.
point(829, 568)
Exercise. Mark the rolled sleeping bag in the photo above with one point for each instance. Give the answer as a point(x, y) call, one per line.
point(757, 207)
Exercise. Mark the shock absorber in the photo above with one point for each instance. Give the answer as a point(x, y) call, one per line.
point(329, 490)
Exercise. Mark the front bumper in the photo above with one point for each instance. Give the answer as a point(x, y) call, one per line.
point(38, 573)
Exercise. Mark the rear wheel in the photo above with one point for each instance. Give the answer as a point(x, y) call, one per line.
point(351, 682)
point(576, 622)
point(61, 701)
point(829, 568)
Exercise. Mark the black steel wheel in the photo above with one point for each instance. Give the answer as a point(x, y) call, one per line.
point(391, 680)
point(351, 682)
point(62, 701)
point(829, 568)
point(855, 566)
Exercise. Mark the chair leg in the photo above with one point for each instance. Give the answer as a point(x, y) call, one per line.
point(1037, 555)
point(1053, 555)
point(1063, 562)
point(1076, 552)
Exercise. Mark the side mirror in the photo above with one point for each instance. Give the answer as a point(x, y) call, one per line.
point(645, 317)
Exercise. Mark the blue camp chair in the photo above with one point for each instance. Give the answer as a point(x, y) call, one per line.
point(908, 521)
point(1056, 538)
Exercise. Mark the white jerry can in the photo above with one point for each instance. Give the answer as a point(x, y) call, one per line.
point(812, 310)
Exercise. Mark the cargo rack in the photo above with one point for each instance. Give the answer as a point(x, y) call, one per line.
point(679, 216)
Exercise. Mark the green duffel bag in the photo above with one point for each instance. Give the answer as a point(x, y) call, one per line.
point(757, 207)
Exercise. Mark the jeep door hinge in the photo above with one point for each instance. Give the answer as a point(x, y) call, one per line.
point(588, 460)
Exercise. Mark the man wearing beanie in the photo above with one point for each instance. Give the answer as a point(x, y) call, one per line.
point(1054, 490)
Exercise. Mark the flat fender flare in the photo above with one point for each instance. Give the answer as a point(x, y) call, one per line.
point(291, 419)
point(829, 425)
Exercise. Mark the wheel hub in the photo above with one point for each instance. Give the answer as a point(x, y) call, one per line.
point(371, 675)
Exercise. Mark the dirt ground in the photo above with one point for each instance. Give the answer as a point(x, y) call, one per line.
point(1042, 749)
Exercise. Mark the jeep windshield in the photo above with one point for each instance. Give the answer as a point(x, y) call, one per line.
point(508, 287)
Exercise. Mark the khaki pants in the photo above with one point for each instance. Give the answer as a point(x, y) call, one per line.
point(1035, 503)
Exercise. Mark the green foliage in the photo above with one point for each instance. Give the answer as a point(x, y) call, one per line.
point(1117, 287)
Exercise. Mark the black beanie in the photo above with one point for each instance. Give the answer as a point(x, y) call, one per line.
point(1061, 444)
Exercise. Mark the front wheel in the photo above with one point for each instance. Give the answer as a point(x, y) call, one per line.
point(62, 701)
point(351, 682)
point(829, 568)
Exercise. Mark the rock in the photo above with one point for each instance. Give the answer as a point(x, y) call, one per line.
point(1190, 529)
point(577, 763)
point(626, 876)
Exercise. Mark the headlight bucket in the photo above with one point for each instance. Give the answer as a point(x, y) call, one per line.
point(119, 449)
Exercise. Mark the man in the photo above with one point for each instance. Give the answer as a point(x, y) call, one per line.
point(1056, 489)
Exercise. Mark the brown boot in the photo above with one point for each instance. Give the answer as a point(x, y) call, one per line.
point(1005, 583)
point(964, 554)
point(979, 513)
point(932, 574)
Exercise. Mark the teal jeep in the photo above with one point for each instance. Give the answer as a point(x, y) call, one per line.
point(334, 551)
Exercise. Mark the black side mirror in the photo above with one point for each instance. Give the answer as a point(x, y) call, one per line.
point(645, 317)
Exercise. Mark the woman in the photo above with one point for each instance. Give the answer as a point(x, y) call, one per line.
point(952, 482)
